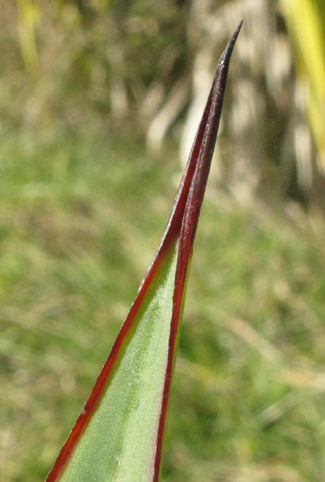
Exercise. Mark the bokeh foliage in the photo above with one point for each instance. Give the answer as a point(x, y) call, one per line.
point(80, 222)
point(107, 64)
point(83, 207)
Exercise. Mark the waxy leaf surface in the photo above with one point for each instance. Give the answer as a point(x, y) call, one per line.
point(118, 436)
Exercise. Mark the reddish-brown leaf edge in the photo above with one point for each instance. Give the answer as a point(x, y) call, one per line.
point(181, 227)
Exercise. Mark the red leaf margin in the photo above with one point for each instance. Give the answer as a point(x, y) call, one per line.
point(181, 226)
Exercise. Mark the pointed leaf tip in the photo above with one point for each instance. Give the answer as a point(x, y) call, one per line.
point(236, 32)
point(193, 184)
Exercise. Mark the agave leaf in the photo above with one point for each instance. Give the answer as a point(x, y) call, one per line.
point(118, 436)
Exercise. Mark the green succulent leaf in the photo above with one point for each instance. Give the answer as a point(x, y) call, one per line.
point(118, 436)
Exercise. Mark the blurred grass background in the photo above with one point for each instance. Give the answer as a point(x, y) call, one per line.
point(97, 102)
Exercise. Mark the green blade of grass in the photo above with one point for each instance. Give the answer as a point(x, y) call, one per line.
point(118, 436)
